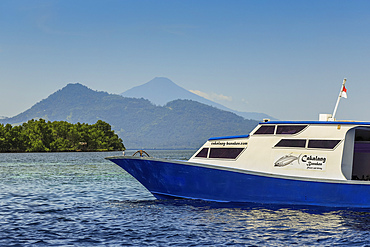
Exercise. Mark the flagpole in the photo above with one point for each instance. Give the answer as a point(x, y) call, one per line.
point(336, 105)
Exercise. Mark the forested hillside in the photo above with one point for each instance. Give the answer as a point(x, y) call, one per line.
point(178, 124)
point(58, 136)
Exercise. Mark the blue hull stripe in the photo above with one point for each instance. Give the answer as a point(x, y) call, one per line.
point(179, 180)
point(227, 137)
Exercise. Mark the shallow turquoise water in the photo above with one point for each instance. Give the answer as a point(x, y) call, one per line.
point(81, 199)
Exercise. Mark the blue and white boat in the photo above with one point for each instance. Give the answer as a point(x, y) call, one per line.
point(321, 163)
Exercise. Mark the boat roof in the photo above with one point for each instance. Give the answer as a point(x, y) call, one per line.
point(342, 122)
point(318, 122)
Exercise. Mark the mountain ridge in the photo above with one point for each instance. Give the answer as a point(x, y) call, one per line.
point(179, 124)
point(162, 90)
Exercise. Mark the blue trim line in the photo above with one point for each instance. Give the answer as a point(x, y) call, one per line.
point(317, 122)
point(165, 196)
point(227, 137)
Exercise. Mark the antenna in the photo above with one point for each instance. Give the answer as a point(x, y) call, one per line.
point(343, 89)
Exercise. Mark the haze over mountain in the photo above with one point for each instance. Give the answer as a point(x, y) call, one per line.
point(141, 124)
point(162, 90)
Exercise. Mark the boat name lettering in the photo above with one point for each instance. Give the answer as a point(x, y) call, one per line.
point(313, 162)
point(306, 158)
point(228, 143)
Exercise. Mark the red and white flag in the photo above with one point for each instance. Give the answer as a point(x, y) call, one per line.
point(343, 94)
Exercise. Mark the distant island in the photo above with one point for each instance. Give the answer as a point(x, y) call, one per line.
point(162, 90)
point(180, 124)
point(58, 136)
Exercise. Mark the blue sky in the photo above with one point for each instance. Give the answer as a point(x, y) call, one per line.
point(283, 58)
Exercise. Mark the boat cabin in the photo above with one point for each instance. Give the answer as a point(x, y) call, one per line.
point(337, 150)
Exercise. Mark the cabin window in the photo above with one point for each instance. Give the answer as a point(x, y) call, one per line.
point(293, 143)
point(225, 153)
point(289, 129)
point(361, 155)
point(265, 130)
point(202, 153)
point(325, 144)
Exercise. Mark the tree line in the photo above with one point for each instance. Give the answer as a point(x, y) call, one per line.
point(58, 136)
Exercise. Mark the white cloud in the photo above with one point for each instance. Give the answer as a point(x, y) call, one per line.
point(212, 96)
point(245, 101)
point(199, 93)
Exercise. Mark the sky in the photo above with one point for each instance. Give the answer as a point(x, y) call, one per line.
point(283, 58)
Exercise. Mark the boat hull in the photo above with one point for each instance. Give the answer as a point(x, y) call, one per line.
point(165, 179)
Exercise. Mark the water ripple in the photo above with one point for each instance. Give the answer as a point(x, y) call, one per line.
point(81, 199)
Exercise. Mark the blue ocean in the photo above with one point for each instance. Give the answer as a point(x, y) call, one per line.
point(81, 199)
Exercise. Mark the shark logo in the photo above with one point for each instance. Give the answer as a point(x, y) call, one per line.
point(286, 160)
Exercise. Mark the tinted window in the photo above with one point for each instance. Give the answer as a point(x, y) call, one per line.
point(265, 129)
point(225, 153)
point(202, 153)
point(326, 144)
point(289, 129)
point(296, 143)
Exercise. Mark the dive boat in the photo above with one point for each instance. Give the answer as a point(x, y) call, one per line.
point(321, 163)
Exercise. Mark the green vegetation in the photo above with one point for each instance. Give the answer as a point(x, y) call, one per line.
point(58, 136)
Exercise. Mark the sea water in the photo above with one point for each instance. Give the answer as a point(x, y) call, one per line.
point(81, 199)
